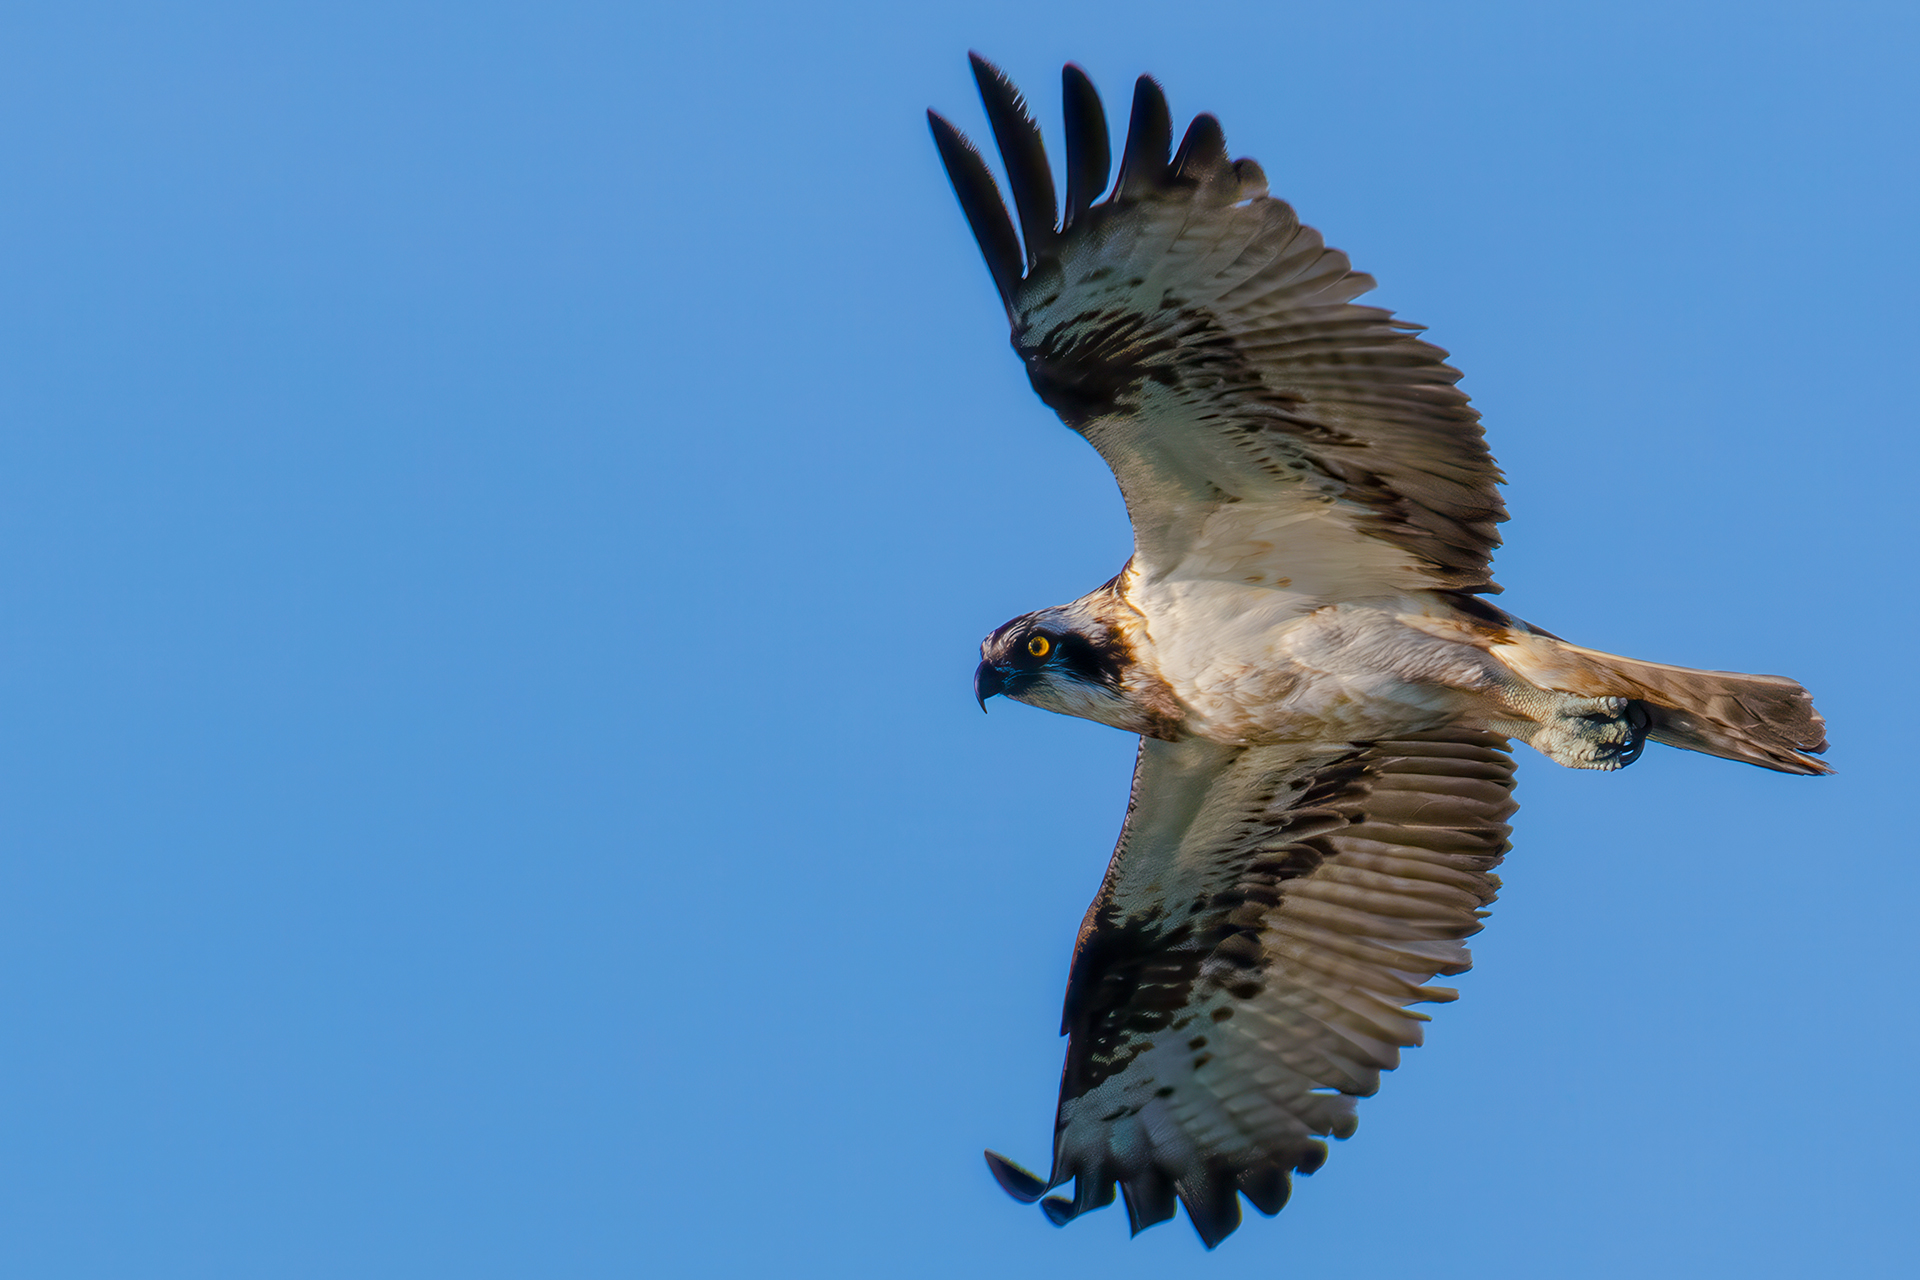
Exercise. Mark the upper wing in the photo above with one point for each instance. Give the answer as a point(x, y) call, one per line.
point(1206, 344)
point(1243, 974)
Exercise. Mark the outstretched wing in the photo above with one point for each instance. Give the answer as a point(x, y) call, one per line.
point(1207, 344)
point(1244, 973)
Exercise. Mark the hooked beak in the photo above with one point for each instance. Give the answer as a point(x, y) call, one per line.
point(987, 683)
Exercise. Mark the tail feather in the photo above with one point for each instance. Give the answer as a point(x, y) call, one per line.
point(1763, 720)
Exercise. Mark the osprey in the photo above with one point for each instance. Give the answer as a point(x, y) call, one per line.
point(1324, 697)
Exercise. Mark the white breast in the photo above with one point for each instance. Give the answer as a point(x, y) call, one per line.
point(1261, 665)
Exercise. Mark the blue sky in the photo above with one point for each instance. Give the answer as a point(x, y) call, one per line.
point(498, 507)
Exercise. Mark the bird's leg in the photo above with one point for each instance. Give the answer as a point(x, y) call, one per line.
point(1569, 729)
point(1357, 643)
point(1580, 733)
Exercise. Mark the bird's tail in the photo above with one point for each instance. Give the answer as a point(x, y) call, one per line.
point(1763, 720)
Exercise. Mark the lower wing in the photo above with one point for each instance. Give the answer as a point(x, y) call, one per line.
point(1244, 973)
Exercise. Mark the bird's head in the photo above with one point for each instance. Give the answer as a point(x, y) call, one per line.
point(1063, 659)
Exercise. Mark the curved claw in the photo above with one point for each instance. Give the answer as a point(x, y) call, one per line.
point(1639, 720)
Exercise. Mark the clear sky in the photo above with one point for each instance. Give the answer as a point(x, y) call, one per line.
point(497, 508)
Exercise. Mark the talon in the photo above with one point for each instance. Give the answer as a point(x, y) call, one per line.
point(1639, 721)
point(1593, 733)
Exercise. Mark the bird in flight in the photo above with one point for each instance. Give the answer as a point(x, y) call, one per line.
point(1324, 696)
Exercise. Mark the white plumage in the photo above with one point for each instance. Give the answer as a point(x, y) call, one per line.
point(1324, 696)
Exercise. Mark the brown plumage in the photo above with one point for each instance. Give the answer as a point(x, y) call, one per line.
point(1301, 636)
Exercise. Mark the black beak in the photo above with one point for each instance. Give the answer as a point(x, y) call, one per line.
point(986, 683)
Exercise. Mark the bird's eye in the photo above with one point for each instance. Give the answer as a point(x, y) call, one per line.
point(1039, 646)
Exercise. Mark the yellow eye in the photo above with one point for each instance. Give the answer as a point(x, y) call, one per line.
point(1039, 646)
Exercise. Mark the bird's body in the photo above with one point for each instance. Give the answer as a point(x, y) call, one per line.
point(1243, 665)
point(1301, 639)
point(1258, 666)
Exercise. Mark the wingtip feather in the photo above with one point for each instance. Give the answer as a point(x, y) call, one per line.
point(1149, 1197)
point(1213, 1205)
point(1089, 150)
point(1022, 1185)
point(1143, 160)
point(1203, 151)
point(979, 197)
point(1267, 1188)
point(1018, 137)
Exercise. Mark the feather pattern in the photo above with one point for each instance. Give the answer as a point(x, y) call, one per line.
point(1315, 822)
point(1245, 972)
point(1207, 344)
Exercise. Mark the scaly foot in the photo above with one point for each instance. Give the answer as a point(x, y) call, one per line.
point(1592, 733)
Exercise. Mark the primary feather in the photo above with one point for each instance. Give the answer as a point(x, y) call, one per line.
point(1323, 783)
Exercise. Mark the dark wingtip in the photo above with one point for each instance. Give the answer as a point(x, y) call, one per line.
point(1215, 1215)
point(979, 197)
point(1017, 1182)
point(1203, 151)
point(1143, 161)
point(1267, 1187)
point(1150, 1199)
point(1089, 151)
point(1092, 1190)
point(1022, 152)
